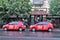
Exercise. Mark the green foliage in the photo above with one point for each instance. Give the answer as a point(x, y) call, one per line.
point(54, 7)
point(15, 7)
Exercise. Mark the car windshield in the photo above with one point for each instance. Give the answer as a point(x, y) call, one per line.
point(14, 22)
point(43, 23)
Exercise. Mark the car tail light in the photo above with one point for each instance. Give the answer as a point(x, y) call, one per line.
point(21, 24)
point(25, 26)
point(31, 26)
point(3, 26)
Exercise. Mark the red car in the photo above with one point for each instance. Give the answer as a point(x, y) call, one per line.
point(14, 26)
point(42, 26)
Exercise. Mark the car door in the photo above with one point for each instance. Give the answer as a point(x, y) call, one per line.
point(45, 26)
point(40, 26)
point(11, 26)
point(16, 26)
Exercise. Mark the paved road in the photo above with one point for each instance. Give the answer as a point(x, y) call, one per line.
point(26, 35)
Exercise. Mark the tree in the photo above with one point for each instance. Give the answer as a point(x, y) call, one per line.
point(54, 7)
point(3, 9)
point(15, 7)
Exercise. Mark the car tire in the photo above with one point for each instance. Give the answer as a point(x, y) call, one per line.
point(33, 29)
point(5, 29)
point(20, 29)
point(50, 30)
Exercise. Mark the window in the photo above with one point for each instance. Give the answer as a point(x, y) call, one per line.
point(14, 22)
point(41, 23)
point(38, 2)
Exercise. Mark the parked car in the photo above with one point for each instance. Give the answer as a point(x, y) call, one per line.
point(14, 26)
point(42, 26)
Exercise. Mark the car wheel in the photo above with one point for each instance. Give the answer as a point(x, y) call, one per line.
point(5, 29)
point(20, 29)
point(33, 29)
point(50, 30)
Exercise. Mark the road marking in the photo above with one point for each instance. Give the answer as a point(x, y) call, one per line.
point(27, 37)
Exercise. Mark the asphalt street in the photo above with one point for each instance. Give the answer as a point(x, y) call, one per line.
point(28, 35)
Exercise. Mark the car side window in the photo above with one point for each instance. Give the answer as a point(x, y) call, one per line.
point(14, 23)
point(42, 23)
point(39, 24)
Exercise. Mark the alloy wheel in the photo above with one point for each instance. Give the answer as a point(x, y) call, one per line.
point(5, 29)
point(33, 29)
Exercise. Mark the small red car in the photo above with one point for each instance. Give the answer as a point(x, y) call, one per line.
point(14, 26)
point(48, 26)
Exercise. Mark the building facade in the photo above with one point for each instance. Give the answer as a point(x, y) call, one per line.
point(40, 5)
point(39, 10)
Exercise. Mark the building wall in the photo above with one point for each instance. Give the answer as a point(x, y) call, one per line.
point(40, 7)
point(44, 7)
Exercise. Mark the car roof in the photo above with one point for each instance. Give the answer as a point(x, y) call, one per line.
point(43, 23)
